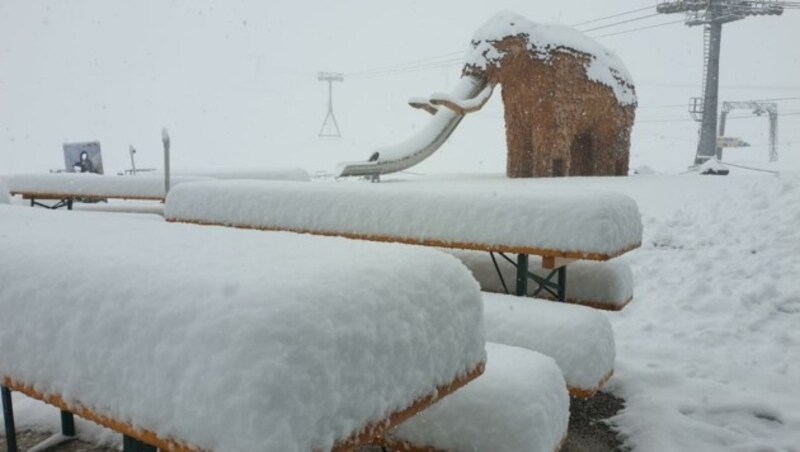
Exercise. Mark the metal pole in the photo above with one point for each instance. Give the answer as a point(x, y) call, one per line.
point(165, 140)
point(132, 151)
point(773, 136)
point(330, 95)
point(722, 118)
point(707, 147)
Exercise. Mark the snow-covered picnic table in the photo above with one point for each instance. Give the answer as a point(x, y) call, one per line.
point(558, 223)
point(67, 187)
point(220, 339)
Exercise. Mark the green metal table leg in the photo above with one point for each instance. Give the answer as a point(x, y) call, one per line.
point(8, 416)
point(67, 423)
point(134, 445)
point(522, 275)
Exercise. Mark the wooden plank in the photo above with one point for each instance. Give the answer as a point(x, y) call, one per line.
point(145, 436)
point(554, 262)
point(366, 435)
point(575, 255)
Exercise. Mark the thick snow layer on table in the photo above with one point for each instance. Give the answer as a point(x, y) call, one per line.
point(5, 198)
point(92, 185)
point(580, 339)
point(589, 282)
point(296, 174)
point(520, 404)
point(546, 39)
point(566, 220)
point(230, 339)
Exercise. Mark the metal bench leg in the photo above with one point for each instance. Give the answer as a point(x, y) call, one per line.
point(522, 275)
point(67, 424)
point(134, 445)
point(562, 283)
point(8, 416)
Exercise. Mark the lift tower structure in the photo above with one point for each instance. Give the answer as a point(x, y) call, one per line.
point(711, 14)
point(330, 77)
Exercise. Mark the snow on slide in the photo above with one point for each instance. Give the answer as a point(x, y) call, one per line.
point(592, 224)
point(423, 144)
point(232, 340)
point(580, 339)
point(520, 404)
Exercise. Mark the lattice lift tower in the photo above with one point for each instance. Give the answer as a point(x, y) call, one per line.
point(712, 14)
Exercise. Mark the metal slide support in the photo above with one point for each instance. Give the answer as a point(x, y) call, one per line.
point(134, 445)
point(8, 416)
point(522, 275)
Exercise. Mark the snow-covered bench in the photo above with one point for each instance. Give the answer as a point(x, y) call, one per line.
point(604, 285)
point(580, 339)
point(558, 223)
point(518, 404)
point(184, 337)
point(65, 188)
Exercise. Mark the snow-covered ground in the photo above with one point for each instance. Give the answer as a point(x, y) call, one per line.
point(708, 353)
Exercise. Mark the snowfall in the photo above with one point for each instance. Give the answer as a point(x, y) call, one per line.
point(708, 352)
point(706, 356)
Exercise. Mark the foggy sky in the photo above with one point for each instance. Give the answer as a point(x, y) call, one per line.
point(235, 81)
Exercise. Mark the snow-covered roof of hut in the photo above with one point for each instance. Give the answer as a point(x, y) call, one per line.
point(545, 39)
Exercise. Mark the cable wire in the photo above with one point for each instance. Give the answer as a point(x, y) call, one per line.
point(612, 16)
point(621, 22)
point(638, 29)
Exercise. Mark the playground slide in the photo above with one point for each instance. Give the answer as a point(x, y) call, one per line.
point(423, 144)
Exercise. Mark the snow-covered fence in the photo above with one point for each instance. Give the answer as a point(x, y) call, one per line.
point(222, 339)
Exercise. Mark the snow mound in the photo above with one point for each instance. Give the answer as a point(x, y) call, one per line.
point(233, 340)
point(580, 339)
point(554, 218)
point(606, 285)
point(519, 404)
point(543, 40)
point(714, 167)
